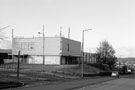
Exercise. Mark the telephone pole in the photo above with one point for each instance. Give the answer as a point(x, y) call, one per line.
point(12, 44)
point(43, 48)
point(68, 44)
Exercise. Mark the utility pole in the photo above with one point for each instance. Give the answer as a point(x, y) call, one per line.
point(61, 44)
point(68, 44)
point(43, 48)
point(60, 31)
point(68, 37)
point(60, 38)
point(18, 65)
point(12, 44)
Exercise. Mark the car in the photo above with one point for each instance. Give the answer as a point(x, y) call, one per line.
point(115, 74)
point(129, 71)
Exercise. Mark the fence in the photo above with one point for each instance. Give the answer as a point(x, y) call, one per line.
point(8, 66)
point(90, 58)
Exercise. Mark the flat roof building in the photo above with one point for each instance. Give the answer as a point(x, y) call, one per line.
point(57, 50)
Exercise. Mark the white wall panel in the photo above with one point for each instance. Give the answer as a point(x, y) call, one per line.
point(48, 60)
point(35, 60)
point(34, 46)
point(52, 60)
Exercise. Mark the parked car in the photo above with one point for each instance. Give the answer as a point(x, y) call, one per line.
point(129, 71)
point(115, 74)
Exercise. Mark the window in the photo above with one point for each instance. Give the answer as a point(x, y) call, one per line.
point(26, 46)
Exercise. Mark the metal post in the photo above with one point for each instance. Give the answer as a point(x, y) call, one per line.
point(70, 61)
point(12, 44)
point(23, 61)
point(83, 50)
point(18, 65)
point(61, 46)
point(43, 48)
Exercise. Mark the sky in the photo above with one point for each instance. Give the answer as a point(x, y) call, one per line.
point(111, 20)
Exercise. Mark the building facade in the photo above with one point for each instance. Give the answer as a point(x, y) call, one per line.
point(5, 56)
point(57, 50)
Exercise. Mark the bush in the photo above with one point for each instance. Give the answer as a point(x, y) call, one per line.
point(105, 73)
point(124, 69)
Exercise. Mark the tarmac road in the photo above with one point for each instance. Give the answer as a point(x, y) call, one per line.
point(125, 82)
point(117, 84)
point(67, 85)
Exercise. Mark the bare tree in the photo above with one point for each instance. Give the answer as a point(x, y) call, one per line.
point(1, 32)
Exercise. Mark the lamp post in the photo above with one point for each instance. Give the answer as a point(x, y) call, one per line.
point(83, 49)
point(43, 46)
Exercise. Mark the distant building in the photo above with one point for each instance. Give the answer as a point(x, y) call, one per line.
point(4, 55)
point(58, 50)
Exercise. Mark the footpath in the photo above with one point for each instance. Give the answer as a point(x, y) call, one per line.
point(71, 85)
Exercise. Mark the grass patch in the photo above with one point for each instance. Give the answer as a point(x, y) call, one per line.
point(76, 70)
point(4, 85)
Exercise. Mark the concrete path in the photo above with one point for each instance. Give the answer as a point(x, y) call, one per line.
point(119, 84)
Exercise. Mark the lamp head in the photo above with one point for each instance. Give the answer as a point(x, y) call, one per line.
point(39, 32)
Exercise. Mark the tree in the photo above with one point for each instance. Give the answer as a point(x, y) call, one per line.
point(106, 55)
point(1, 33)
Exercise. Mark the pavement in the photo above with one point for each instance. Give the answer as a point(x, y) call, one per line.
point(119, 84)
point(70, 85)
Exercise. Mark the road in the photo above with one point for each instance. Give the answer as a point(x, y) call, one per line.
point(94, 83)
point(67, 85)
point(117, 84)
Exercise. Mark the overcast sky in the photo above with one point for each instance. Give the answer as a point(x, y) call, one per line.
point(111, 20)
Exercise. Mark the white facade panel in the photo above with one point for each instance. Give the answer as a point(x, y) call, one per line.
point(48, 60)
point(34, 46)
point(35, 60)
point(52, 60)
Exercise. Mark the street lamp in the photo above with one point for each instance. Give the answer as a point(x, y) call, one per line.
point(83, 48)
point(43, 46)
